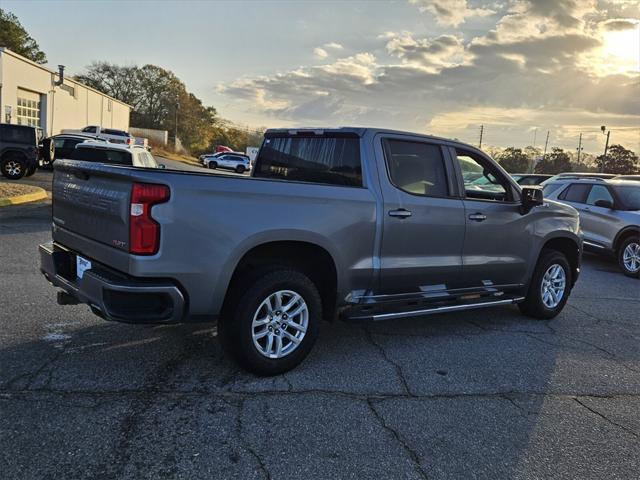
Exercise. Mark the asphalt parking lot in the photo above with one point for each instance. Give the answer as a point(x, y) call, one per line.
point(482, 394)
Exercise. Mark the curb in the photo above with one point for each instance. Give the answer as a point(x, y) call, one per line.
point(39, 194)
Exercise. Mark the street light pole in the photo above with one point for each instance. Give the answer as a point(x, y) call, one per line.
point(579, 147)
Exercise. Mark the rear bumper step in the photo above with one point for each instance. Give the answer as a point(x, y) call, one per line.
point(111, 294)
point(378, 316)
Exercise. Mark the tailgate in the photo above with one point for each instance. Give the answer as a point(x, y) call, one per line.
point(92, 200)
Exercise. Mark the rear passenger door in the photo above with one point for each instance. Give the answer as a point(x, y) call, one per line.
point(423, 223)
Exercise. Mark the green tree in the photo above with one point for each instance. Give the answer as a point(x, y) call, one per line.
point(557, 161)
point(159, 99)
point(513, 160)
point(619, 160)
point(14, 37)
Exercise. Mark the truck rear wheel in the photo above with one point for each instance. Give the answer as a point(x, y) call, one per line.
point(550, 286)
point(629, 256)
point(271, 326)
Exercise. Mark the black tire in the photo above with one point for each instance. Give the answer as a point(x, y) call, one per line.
point(235, 326)
point(213, 165)
point(239, 169)
point(31, 170)
point(633, 242)
point(48, 150)
point(533, 305)
point(13, 166)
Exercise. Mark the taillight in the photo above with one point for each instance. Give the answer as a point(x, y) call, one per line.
point(144, 231)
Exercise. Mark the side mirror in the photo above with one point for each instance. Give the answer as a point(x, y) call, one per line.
point(531, 197)
point(604, 204)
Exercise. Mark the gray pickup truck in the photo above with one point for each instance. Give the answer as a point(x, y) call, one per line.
point(357, 224)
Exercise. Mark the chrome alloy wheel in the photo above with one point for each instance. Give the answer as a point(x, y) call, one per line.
point(12, 168)
point(631, 257)
point(279, 324)
point(553, 285)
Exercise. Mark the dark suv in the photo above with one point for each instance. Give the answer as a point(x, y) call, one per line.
point(19, 153)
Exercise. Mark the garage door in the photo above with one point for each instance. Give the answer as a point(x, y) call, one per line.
point(28, 109)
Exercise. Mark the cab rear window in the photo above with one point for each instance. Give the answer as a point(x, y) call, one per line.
point(333, 160)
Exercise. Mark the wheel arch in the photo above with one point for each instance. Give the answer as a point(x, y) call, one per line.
point(310, 257)
point(570, 247)
point(623, 234)
point(11, 151)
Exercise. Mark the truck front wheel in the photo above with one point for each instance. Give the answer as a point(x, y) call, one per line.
point(271, 326)
point(550, 286)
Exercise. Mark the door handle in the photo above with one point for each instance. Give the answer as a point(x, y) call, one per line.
point(477, 217)
point(400, 213)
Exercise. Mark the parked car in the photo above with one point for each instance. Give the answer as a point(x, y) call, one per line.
point(357, 224)
point(628, 177)
point(530, 178)
point(110, 134)
point(609, 216)
point(109, 153)
point(63, 144)
point(19, 152)
point(230, 161)
point(580, 175)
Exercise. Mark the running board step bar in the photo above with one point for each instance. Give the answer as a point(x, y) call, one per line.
point(435, 310)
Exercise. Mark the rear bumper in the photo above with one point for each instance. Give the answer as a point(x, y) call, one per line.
point(111, 294)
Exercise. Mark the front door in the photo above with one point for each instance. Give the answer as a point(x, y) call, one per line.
point(423, 225)
point(498, 236)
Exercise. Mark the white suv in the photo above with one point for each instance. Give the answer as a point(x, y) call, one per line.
point(117, 154)
point(231, 161)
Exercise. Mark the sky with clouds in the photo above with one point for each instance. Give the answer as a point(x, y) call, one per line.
point(445, 67)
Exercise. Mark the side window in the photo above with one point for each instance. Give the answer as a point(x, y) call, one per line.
point(89, 129)
point(71, 143)
point(575, 192)
point(58, 142)
point(482, 180)
point(416, 167)
point(599, 192)
point(333, 160)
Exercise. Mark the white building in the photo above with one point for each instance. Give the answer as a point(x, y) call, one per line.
point(29, 95)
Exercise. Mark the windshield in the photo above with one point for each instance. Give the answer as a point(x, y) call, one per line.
point(630, 196)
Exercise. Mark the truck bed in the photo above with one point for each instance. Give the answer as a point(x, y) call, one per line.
point(209, 222)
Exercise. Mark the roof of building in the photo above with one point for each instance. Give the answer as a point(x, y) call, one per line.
point(42, 67)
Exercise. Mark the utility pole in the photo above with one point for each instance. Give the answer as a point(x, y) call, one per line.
point(579, 147)
point(546, 142)
point(175, 142)
point(535, 134)
point(481, 132)
point(606, 147)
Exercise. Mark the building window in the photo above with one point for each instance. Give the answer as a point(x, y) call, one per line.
point(28, 112)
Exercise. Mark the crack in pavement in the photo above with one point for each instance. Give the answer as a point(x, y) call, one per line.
point(396, 366)
point(601, 415)
point(239, 406)
point(413, 455)
point(143, 400)
point(222, 395)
